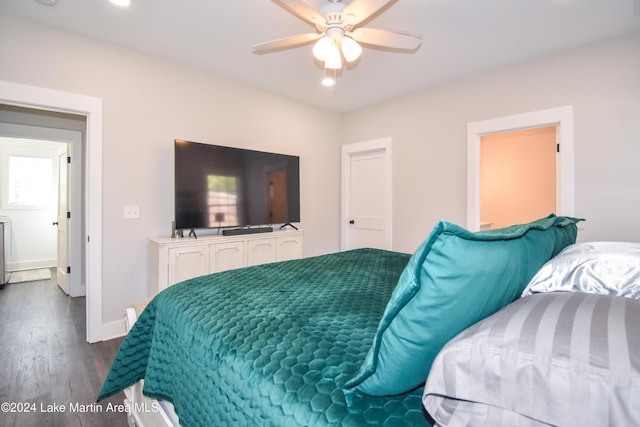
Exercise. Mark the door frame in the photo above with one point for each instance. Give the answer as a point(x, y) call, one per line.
point(562, 117)
point(90, 107)
point(349, 150)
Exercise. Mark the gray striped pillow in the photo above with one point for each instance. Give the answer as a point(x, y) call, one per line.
point(562, 358)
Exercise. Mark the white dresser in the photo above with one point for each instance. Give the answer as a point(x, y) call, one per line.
point(176, 259)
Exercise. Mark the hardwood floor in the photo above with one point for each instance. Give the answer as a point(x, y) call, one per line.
point(46, 366)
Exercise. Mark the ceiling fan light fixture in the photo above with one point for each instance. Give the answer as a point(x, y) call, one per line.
point(334, 59)
point(351, 49)
point(322, 48)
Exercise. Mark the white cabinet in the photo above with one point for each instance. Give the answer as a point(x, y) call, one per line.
point(175, 260)
point(185, 262)
point(226, 256)
point(288, 247)
point(261, 251)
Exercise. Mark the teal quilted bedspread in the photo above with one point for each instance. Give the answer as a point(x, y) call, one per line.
point(269, 345)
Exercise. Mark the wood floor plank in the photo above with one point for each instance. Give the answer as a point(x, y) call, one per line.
point(47, 369)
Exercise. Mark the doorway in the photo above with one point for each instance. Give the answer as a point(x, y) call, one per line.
point(65, 232)
point(517, 176)
point(561, 117)
point(366, 195)
point(27, 205)
point(48, 100)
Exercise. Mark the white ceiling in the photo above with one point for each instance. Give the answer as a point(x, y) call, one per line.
point(460, 37)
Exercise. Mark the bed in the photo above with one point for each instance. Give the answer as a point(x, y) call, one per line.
point(263, 350)
point(345, 339)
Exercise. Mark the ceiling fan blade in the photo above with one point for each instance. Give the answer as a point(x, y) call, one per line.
point(286, 43)
point(302, 10)
point(360, 10)
point(384, 38)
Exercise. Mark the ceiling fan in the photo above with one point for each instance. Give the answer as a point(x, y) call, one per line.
point(338, 33)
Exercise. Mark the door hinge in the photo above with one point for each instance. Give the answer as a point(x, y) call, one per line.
point(68, 215)
point(68, 270)
point(557, 148)
point(68, 159)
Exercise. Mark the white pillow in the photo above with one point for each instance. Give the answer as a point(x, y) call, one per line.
point(607, 268)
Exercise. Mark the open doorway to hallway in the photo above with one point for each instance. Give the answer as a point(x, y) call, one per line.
point(86, 112)
point(28, 199)
point(42, 193)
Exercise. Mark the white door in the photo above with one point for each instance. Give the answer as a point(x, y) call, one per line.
point(366, 195)
point(62, 221)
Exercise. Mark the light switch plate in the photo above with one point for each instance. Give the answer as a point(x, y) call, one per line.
point(131, 212)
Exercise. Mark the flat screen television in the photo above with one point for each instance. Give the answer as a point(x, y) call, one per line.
point(217, 186)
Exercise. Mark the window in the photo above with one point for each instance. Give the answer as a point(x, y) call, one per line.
point(222, 200)
point(29, 181)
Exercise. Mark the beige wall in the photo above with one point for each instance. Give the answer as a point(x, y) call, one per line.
point(429, 133)
point(147, 103)
point(517, 176)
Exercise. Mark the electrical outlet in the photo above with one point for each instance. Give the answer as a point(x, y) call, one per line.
point(131, 212)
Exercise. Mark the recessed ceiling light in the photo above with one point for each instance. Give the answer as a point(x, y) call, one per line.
point(122, 3)
point(48, 2)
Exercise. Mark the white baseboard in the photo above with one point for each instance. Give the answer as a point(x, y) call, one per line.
point(30, 265)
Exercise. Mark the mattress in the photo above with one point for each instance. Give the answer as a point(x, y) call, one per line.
point(268, 345)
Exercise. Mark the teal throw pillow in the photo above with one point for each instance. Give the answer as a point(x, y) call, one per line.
point(453, 280)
